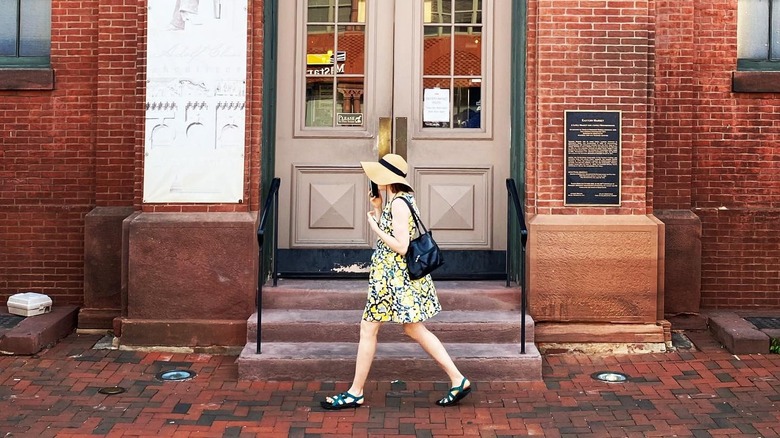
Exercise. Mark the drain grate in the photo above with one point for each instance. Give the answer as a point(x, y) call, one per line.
point(10, 321)
point(765, 322)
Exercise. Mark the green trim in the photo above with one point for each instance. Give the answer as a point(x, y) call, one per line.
point(268, 139)
point(758, 65)
point(517, 140)
point(25, 61)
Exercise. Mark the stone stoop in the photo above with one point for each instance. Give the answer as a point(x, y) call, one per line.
point(310, 330)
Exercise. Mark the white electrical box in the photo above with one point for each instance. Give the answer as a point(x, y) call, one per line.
point(29, 304)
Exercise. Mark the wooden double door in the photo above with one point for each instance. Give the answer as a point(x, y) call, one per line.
point(426, 79)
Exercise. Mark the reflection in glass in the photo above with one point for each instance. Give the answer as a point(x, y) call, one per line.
point(437, 11)
point(349, 98)
point(35, 28)
point(467, 103)
point(468, 11)
point(331, 11)
point(351, 48)
point(319, 102)
point(319, 44)
point(468, 51)
point(437, 50)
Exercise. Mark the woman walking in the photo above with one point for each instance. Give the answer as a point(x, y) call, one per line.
point(392, 295)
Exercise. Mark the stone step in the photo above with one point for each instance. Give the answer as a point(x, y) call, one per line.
point(289, 325)
point(335, 361)
point(351, 294)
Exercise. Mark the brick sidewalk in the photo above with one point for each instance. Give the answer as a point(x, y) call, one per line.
point(702, 393)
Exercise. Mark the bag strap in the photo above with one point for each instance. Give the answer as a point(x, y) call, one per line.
point(417, 221)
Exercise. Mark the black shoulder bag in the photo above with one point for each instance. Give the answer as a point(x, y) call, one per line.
point(423, 255)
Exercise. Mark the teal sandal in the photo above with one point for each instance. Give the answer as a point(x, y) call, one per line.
point(345, 400)
point(456, 394)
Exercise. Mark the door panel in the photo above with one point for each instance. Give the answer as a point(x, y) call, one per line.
point(439, 71)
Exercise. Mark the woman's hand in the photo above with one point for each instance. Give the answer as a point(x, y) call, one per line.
point(372, 221)
point(376, 201)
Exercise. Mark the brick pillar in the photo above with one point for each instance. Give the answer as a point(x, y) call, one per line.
point(593, 270)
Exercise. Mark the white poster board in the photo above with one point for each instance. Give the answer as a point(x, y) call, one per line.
point(195, 101)
point(436, 105)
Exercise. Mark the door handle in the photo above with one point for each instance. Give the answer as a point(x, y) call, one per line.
point(385, 136)
point(401, 136)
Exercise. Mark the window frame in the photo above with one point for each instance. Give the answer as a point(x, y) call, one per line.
point(26, 72)
point(758, 75)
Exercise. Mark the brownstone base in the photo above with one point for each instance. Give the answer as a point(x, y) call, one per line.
point(191, 279)
point(102, 267)
point(682, 282)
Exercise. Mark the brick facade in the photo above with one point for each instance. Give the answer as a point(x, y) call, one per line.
point(689, 142)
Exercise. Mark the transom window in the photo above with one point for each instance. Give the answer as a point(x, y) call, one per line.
point(758, 34)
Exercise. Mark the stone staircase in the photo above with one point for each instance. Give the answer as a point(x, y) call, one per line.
point(310, 332)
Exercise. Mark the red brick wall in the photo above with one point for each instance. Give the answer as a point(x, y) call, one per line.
point(718, 153)
point(80, 146)
point(589, 55)
point(47, 181)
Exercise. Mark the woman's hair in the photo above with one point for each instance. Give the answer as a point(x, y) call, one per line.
point(398, 187)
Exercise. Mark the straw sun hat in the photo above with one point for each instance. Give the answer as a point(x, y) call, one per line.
point(391, 169)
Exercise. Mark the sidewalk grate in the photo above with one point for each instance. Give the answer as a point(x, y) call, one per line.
point(10, 321)
point(765, 322)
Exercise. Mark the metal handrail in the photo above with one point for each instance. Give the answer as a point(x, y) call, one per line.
point(513, 200)
point(271, 203)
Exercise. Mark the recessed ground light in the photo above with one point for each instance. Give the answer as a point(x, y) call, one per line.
point(111, 390)
point(610, 376)
point(175, 375)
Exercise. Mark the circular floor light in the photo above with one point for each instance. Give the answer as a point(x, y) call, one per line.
point(112, 390)
point(610, 376)
point(175, 375)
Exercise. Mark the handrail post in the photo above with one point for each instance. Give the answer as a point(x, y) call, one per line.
point(271, 202)
point(276, 238)
point(515, 201)
point(508, 234)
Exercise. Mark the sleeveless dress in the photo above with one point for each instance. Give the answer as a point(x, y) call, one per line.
point(392, 295)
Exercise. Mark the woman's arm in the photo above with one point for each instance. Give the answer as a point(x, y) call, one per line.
point(399, 242)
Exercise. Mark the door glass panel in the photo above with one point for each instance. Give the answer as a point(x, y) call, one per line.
point(468, 11)
point(351, 52)
point(467, 103)
point(335, 63)
point(326, 11)
point(437, 11)
point(437, 49)
point(319, 101)
point(453, 61)
point(468, 51)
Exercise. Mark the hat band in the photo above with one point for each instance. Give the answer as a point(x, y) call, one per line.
point(392, 168)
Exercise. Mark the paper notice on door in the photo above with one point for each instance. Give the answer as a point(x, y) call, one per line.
point(436, 105)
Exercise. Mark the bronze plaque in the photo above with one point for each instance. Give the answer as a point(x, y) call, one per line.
point(592, 158)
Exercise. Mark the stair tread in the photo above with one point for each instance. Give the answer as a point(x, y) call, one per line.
point(341, 350)
point(353, 316)
point(361, 285)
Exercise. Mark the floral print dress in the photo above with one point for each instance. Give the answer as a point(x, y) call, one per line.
point(392, 295)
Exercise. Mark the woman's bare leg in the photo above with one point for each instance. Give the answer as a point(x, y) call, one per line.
point(433, 346)
point(365, 356)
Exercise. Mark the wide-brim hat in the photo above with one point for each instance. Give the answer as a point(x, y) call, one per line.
point(390, 169)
